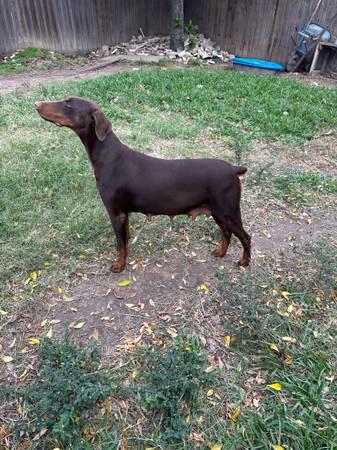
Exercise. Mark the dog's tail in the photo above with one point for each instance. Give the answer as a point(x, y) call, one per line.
point(240, 170)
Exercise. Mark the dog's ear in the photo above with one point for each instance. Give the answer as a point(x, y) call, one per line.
point(102, 125)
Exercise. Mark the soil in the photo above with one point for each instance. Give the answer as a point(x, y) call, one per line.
point(113, 64)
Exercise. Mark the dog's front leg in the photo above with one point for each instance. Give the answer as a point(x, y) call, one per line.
point(120, 224)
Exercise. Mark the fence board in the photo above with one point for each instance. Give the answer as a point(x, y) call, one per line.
point(256, 28)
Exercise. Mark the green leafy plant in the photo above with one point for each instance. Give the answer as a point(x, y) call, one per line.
point(68, 384)
point(172, 385)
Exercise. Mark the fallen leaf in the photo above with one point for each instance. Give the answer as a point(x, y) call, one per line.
point(236, 413)
point(12, 343)
point(152, 303)
point(33, 276)
point(274, 347)
point(54, 321)
point(210, 369)
point(172, 332)
point(288, 360)
point(275, 386)
point(289, 339)
point(50, 333)
point(228, 341)
point(66, 298)
point(265, 232)
point(210, 392)
point(3, 313)
point(76, 326)
point(44, 322)
point(134, 374)
point(202, 339)
point(285, 294)
point(40, 434)
point(7, 359)
point(216, 447)
point(125, 282)
point(35, 341)
point(203, 287)
point(59, 290)
point(23, 376)
point(278, 447)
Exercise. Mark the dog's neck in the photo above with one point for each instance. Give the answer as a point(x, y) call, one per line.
point(94, 146)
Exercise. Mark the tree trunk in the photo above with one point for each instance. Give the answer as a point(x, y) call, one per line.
point(177, 25)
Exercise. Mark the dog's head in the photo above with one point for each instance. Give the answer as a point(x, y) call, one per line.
point(79, 114)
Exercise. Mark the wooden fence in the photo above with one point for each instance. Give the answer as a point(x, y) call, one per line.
point(77, 25)
point(256, 28)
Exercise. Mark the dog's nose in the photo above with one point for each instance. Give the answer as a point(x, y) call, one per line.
point(38, 105)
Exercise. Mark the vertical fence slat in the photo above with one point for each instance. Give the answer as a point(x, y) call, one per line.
point(256, 28)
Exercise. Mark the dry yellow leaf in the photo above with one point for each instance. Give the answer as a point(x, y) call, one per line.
point(274, 347)
point(203, 287)
point(24, 374)
point(216, 447)
point(134, 374)
point(33, 276)
point(210, 392)
point(35, 341)
point(77, 326)
point(278, 447)
point(236, 413)
point(188, 420)
point(7, 359)
point(50, 333)
point(172, 332)
point(286, 294)
point(309, 220)
point(12, 343)
point(59, 290)
point(265, 232)
point(3, 313)
point(44, 322)
point(289, 339)
point(66, 298)
point(152, 303)
point(125, 282)
point(275, 386)
point(202, 340)
point(228, 341)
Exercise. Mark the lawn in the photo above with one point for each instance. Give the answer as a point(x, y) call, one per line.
point(248, 357)
point(32, 58)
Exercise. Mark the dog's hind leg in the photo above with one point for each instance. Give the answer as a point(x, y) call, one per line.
point(225, 237)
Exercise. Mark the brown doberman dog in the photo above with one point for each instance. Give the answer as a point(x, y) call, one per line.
point(129, 181)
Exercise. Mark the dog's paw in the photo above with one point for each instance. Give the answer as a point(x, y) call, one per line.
point(218, 252)
point(117, 267)
point(244, 262)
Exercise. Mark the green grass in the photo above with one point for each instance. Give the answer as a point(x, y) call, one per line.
point(35, 59)
point(50, 210)
point(287, 339)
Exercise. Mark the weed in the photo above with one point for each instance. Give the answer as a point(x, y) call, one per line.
point(171, 385)
point(70, 382)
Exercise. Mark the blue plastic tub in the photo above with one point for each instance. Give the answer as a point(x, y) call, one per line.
point(258, 64)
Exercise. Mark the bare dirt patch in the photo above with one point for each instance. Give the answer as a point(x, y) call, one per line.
point(172, 291)
point(105, 66)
